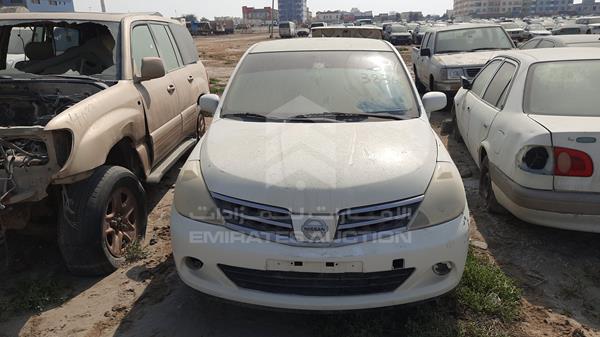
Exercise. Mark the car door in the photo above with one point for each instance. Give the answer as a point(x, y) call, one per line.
point(191, 78)
point(161, 102)
point(480, 83)
point(421, 60)
point(485, 109)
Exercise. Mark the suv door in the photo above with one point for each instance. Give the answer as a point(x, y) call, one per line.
point(484, 110)
point(161, 102)
point(422, 60)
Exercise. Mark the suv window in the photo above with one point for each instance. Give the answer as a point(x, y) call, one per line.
point(484, 77)
point(430, 42)
point(546, 44)
point(425, 40)
point(186, 44)
point(142, 45)
point(165, 47)
point(499, 84)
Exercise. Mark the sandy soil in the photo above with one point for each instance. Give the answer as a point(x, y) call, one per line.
point(558, 270)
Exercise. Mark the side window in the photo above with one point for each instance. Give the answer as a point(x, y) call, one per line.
point(142, 45)
point(546, 44)
point(185, 42)
point(165, 47)
point(530, 45)
point(499, 84)
point(481, 81)
point(425, 40)
point(65, 38)
point(430, 42)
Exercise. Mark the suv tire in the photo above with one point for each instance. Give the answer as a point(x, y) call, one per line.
point(104, 215)
point(486, 192)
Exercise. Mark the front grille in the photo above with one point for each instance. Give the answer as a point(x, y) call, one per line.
point(377, 218)
point(255, 217)
point(472, 72)
point(317, 284)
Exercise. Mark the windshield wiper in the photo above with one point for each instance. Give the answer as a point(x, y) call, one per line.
point(345, 115)
point(489, 48)
point(246, 115)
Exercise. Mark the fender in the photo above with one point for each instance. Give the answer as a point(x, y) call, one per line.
point(98, 123)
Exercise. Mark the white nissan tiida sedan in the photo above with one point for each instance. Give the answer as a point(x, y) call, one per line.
point(320, 184)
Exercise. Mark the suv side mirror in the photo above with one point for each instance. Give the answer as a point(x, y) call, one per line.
point(152, 68)
point(466, 83)
point(208, 104)
point(425, 52)
point(434, 101)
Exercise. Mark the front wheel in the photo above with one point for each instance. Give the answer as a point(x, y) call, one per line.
point(486, 191)
point(102, 217)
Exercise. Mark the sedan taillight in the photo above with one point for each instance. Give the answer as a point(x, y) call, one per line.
point(572, 163)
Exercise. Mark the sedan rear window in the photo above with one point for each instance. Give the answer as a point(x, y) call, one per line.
point(286, 84)
point(567, 88)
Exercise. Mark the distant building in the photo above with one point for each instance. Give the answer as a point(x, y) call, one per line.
point(42, 5)
point(587, 7)
point(510, 8)
point(258, 16)
point(293, 10)
point(411, 16)
point(329, 17)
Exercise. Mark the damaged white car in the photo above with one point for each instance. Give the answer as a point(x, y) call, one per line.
point(321, 178)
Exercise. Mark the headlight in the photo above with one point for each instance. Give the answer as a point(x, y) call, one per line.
point(455, 74)
point(445, 199)
point(192, 199)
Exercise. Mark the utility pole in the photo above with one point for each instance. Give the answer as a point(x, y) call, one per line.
point(103, 6)
point(272, 18)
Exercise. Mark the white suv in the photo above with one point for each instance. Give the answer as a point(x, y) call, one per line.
point(320, 184)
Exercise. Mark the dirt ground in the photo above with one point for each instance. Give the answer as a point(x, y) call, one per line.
point(559, 271)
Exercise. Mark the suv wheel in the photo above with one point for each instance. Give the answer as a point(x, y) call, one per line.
point(455, 131)
point(486, 192)
point(105, 215)
point(200, 126)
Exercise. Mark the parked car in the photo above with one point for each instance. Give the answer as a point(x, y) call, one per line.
point(535, 30)
point(420, 32)
point(592, 23)
point(515, 31)
point(399, 34)
point(570, 29)
point(364, 22)
point(310, 173)
point(363, 32)
point(318, 24)
point(448, 53)
point(287, 29)
point(531, 122)
point(563, 41)
point(102, 103)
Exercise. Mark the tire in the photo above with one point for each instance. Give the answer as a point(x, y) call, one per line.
point(455, 131)
point(486, 192)
point(200, 126)
point(420, 87)
point(91, 244)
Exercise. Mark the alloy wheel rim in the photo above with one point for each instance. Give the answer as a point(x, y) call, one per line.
point(120, 221)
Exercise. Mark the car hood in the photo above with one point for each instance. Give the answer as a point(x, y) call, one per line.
point(465, 59)
point(319, 167)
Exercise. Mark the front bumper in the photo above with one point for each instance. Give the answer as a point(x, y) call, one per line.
point(578, 211)
point(396, 40)
point(449, 87)
point(419, 249)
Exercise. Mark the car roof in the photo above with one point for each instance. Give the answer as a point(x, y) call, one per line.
point(320, 44)
point(552, 54)
point(78, 16)
point(575, 38)
point(459, 26)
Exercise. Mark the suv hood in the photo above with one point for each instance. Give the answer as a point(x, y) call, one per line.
point(319, 167)
point(466, 59)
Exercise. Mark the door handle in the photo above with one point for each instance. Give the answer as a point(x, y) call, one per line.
point(190, 78)
point(485, 126)
point(468, 108)
point(171, 88)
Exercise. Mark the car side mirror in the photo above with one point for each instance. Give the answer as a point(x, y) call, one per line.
point(466, 83)
point(434, 101)
point(425, 52)
point(208, 104)
point(152, 68)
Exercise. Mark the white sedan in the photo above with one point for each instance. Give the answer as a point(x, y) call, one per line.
point(321, 184)
point(531, 121)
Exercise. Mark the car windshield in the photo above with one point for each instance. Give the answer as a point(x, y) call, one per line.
point(510, 25)
point(284, 85)
point(399, 29)
point(60, 48)
point(536, 27)
point(563, 88)
point(472, 39)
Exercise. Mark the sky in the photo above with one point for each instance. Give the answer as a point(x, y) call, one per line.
point(211, 8)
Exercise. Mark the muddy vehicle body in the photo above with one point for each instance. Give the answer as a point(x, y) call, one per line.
point(98, 104)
